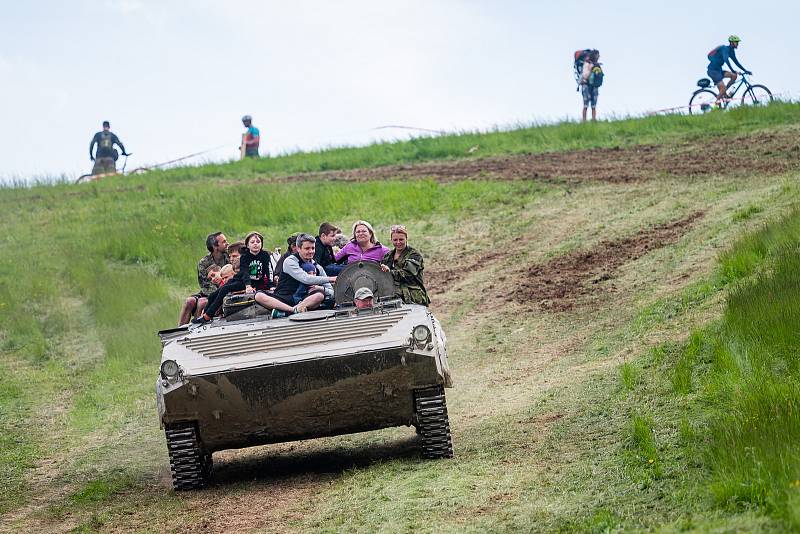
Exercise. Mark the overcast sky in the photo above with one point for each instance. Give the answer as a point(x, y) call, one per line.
point(175, 78)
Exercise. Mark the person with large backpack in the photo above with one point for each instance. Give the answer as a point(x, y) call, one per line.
point(589, 76)
point(579, 57)
point(722, 55)
point(106, 157)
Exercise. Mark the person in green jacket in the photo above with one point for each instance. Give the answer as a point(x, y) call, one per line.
point(406, 266)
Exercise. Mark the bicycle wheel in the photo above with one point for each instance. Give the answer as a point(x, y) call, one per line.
point(702, 101)
point(756, 95)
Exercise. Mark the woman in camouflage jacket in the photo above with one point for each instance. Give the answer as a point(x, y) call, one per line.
point(405, 265)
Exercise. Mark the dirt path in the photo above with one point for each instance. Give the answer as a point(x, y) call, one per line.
point(770, 153)
point(563, 282)
point(766, 153)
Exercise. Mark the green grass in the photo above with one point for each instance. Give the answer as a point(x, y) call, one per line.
point(517, 140)
point(643, 444)
point(140, 245)
point(753, 250)
point(754, 385)
point(18, 449)
point(739, 378)
point(94, 270)
point(629, 375)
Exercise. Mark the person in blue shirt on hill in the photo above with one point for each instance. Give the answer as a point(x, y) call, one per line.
point(722, 55)
point(252, 138)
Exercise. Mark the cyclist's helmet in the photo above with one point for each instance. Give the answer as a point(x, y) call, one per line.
point(733, 39)
point(247, 118)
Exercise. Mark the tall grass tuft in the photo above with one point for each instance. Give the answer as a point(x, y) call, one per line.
point(644, 444)
point(629, 375)
point(753, 383)
point(682, 375)
point(754, 249)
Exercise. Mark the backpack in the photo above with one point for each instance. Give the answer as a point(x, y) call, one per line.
point(596, 76)
point(579, 57)
point(713, 53)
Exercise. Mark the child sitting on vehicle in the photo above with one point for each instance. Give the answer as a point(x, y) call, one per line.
point(226, 273)
point(213, 274)
point(254, 273)
point(302, 289)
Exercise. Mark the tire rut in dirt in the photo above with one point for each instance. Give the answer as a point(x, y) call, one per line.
point(189, 463)
point(433, 423)
point(566, 281)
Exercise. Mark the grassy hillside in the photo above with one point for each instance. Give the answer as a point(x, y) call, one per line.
point(557, 137)
point(624, 350)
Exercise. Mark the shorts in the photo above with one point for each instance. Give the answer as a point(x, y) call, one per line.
point(300, 294)
point(288, 301)
point(589, 95)
point(715, 74)
point(251, 153)
point(197, 297)
point(104, 165)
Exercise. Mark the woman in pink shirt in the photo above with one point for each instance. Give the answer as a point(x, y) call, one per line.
point(363, 246)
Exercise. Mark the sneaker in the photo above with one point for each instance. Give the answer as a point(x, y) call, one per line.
point(201, 320)
point(278, 314)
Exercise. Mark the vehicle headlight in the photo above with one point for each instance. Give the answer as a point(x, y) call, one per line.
point(169, 369)
point(421, 334)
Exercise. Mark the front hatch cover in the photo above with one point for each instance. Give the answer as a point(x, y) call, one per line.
point(316, 315)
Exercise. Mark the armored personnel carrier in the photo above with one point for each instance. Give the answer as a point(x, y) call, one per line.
point(247, 379)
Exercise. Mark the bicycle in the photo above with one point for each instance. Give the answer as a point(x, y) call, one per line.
point(96, 176)
point(704, 99)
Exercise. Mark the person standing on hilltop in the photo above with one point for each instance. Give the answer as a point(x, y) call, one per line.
point(106, 157)
point(722, 55)
point(250, 139)
point(591, 79)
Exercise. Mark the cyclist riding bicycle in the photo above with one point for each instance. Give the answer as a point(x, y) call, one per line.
point(722, 55)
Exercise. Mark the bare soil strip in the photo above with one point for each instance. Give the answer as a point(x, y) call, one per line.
point(565, 281)
point(767, 153)
point(770, 153)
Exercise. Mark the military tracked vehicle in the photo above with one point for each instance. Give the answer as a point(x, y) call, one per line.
point(247, 379)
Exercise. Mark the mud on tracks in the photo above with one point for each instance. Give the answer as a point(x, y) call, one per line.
point(770, 153)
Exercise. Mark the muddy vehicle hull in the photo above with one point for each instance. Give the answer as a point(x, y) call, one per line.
point(234, 384)
point(301, 400)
